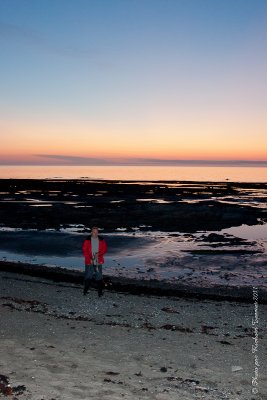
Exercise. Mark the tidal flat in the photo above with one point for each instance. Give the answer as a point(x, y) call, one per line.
point(204, 235)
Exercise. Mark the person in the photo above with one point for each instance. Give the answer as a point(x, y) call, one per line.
point(94, 248)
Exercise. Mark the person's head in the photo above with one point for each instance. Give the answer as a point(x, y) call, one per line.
point(94, 231)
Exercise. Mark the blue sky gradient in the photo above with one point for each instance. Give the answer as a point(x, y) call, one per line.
point(160, 79)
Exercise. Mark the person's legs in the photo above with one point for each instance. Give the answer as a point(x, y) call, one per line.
point(98, 273)
point(99, 280)
point(89, 271)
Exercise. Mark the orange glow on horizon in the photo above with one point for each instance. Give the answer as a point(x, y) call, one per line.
point(183, 141)
point(70, 158)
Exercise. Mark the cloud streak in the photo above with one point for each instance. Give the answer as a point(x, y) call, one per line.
point(73, 160)
point(76, 160)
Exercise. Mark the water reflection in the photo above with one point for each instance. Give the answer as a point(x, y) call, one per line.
point(150, 173)
point(152, 255)
point(250, 232)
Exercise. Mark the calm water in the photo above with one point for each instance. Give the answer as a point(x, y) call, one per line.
point(151, 173)
point(166, 257)
point(148, 255)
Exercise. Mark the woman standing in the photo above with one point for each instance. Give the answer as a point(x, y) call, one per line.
point(94, 248)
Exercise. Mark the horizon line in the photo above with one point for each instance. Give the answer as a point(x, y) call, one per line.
point(88, 161)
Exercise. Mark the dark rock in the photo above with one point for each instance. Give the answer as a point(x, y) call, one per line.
point(163, 369)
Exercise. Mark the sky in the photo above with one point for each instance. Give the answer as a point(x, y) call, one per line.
point(99, 81)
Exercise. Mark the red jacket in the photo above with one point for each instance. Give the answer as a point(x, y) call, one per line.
point(87, 251)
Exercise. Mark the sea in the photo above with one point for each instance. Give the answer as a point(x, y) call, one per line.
point(150, 255)
point(195, 173)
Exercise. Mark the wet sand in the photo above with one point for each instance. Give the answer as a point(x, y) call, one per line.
point(58, 344)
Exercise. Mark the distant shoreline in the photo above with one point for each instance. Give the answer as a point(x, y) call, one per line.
point(138, 162)
point(252, 172)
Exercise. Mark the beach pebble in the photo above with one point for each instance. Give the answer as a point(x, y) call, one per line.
point(163, 369)
point(201, 388)
point(236, 368)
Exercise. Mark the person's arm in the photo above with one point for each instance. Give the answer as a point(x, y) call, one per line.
point(103, 247)
point(86, 247)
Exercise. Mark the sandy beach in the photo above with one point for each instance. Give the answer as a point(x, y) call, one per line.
point(186, 324)
point(58, 344)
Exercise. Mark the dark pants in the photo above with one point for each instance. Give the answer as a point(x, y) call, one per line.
point(93, 271)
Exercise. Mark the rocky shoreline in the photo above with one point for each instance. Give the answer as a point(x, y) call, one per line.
point(167, 206)
point(140, 286)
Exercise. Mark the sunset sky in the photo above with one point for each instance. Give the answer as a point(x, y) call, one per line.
point(92, 81)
